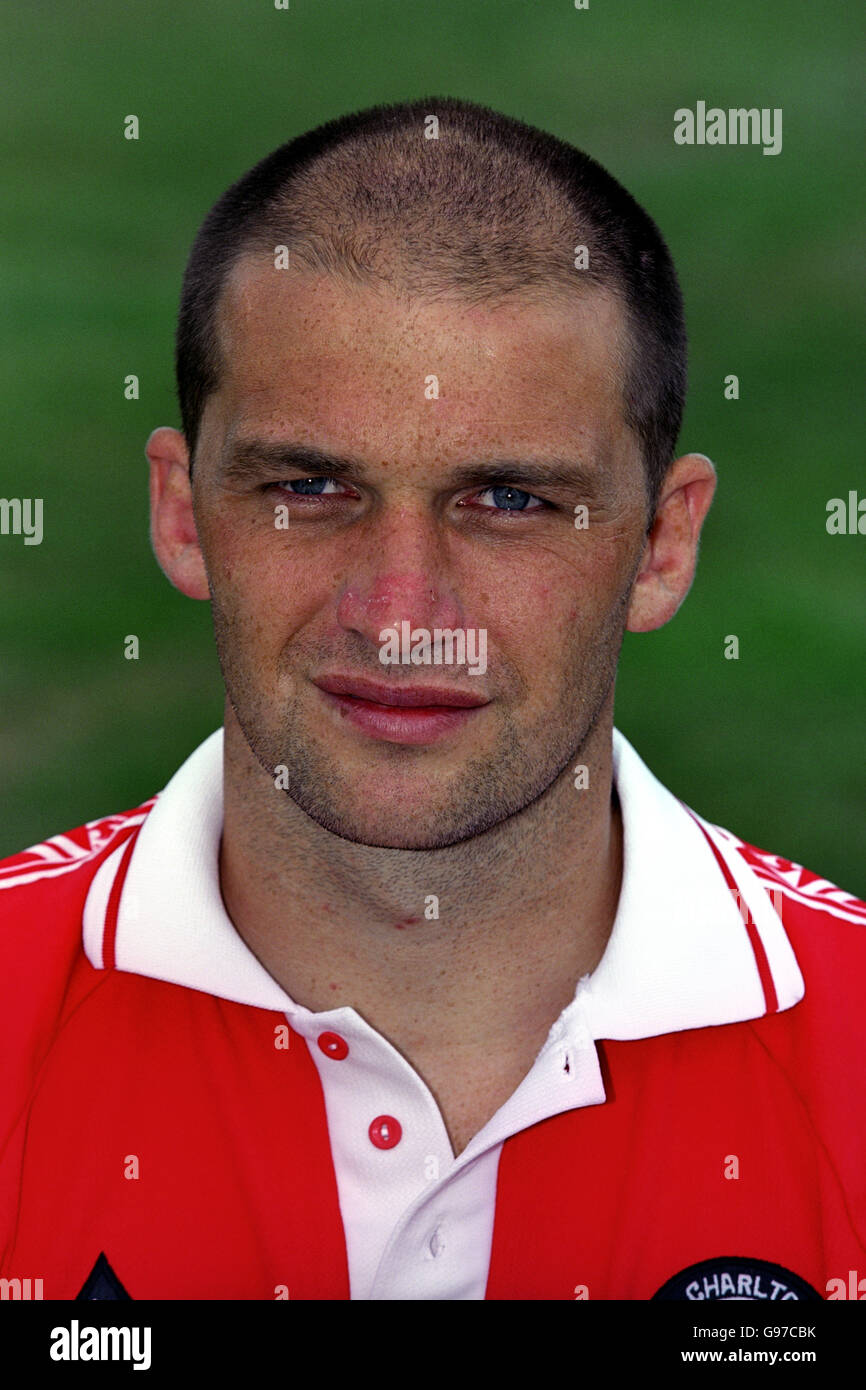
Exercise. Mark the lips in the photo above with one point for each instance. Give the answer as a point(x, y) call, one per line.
point(399, 697)
point(414, 715)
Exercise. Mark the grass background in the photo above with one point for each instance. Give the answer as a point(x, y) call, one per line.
point(96, 233)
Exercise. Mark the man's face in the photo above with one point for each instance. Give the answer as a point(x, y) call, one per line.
point(306, 576)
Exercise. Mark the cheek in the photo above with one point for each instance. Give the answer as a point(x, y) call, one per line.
point(257, 577)
point(530, 624)
point(544, 602)
point(547, 618)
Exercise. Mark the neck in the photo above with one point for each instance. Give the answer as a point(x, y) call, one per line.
point(477, 935)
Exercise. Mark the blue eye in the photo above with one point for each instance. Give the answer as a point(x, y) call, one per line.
point(308, 487)
point(510, 499)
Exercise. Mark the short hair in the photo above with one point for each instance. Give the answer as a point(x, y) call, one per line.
point(487, 208)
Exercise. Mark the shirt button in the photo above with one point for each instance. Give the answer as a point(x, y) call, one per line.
point(385, 1132)
point(436, 1243)
point(333, 1046)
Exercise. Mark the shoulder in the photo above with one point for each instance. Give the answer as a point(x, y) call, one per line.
point(65, 862)
point(826, 928)
point(798, 893)
point(43, 890)
point(45, 974)
point(816, 1047)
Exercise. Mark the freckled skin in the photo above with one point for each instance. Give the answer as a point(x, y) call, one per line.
point(344, 371)
point(526, 870)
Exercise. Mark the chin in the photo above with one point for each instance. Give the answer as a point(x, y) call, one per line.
point(393, 837)
point(394, 833)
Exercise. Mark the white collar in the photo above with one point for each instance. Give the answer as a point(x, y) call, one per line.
point(678, 957)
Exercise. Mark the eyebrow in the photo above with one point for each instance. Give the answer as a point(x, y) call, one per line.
point(248, 459)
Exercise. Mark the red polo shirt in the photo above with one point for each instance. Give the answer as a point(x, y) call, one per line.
point(175, 1126)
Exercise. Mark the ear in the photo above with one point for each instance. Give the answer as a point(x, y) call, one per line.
point(667, 566)
point(173, 532)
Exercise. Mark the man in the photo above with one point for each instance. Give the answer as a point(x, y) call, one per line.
point(414, 983)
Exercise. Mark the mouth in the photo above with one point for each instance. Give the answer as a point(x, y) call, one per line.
point(415, 714)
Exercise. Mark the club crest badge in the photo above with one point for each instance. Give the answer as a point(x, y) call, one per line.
point(736, 1278)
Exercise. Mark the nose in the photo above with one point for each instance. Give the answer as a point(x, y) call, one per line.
point(404, 576)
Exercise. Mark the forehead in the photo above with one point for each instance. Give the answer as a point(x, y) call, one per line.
point(331, 363)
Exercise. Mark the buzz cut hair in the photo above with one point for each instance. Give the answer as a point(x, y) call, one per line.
point(442, 197)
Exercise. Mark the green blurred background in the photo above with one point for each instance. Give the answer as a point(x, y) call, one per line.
point(97, 229)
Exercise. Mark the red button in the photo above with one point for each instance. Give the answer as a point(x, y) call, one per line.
point(385, 1132)
point(333, 1046)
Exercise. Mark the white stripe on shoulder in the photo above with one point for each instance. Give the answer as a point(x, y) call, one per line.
point(61, 855)
point(797, 883)
point(820, 895)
